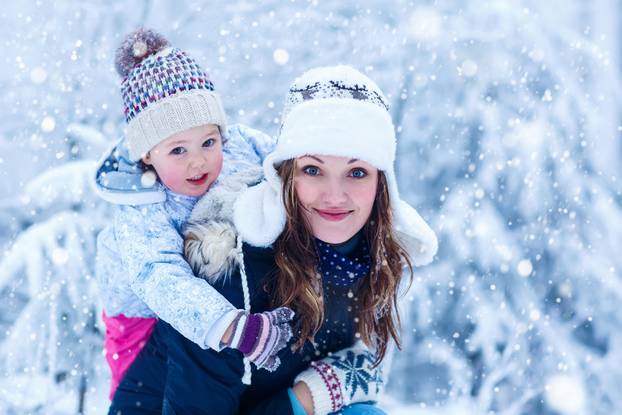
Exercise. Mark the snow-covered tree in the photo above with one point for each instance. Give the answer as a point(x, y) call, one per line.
point(504, 108)
point(47, 277)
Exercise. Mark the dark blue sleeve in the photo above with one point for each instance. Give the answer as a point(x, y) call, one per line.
point(201, 381)
point(204, 381)
point(278, 403)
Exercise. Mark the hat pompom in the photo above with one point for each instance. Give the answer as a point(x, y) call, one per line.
point(137, 46)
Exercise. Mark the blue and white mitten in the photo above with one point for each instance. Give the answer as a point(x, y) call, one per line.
point(344, 378)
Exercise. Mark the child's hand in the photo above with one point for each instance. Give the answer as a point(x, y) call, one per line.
point(261, 336)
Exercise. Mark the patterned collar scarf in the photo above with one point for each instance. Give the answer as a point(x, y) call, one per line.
point(343, 269)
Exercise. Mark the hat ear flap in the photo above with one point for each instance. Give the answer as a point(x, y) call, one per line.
point(419, 239)
point(259, 214)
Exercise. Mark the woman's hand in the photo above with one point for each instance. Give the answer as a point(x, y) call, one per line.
point(346, 377)
point(303, 394)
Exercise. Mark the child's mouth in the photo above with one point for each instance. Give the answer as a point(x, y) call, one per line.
point(198, 180)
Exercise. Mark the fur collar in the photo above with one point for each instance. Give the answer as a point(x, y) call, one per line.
point(211, 246)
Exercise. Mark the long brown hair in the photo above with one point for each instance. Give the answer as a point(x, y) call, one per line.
point(298, 283)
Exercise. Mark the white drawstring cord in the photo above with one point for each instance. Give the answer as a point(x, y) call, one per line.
point(246, 379)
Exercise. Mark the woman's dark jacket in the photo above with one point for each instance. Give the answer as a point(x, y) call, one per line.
point(209, 382)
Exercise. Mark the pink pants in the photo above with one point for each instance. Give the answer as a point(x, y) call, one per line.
point(125, 338)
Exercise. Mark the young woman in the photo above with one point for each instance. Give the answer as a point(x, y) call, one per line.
point(325, 234)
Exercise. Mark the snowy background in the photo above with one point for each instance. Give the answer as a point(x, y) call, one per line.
point(509, 121)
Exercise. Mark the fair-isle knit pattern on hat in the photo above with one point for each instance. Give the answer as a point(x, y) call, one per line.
point(331, 88)
point(164, 91)
point(161, 76)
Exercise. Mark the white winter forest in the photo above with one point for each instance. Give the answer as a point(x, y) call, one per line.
point(509, 123)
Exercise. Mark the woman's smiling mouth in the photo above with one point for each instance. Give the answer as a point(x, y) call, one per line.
point(333, 215)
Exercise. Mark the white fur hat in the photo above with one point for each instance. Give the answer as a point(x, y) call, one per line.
point(332, 111)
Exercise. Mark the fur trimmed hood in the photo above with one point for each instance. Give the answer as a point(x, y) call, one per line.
point(210, 239)
point(120, 181)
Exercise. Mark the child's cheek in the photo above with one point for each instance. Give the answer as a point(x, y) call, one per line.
point(216, 167)
point(172, 181)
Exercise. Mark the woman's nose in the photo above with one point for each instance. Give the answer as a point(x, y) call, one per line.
point(335, 192)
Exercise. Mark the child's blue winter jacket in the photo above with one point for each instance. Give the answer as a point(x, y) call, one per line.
point(140, 266)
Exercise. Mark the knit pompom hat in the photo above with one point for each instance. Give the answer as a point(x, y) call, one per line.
point(164, 91)
point(332, 111)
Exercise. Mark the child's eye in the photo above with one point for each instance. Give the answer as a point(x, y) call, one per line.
point(311, 170)
point(178, 150)
point(358, 173)
point(210, 142)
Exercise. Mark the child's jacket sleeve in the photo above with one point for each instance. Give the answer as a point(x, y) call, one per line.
point(151, 254)
point(247, 144)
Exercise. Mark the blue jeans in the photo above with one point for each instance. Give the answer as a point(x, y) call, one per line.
point(361, 409)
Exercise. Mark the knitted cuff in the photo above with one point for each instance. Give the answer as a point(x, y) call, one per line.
point(248, 342)
point(238, 329)
point(172, 115)
point(265, 342)
point(325, 386)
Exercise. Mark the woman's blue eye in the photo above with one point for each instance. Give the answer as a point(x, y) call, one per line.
point(178, 150)
point(358, 173)
point(311, 170)
point(210, 142)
